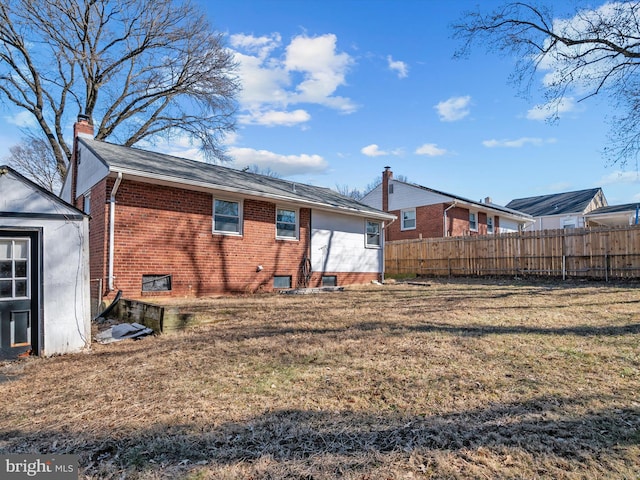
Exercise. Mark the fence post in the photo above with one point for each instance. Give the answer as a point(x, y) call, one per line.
point(564, 267)
point(606, 267)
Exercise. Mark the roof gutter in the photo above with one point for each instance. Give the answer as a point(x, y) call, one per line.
point(112, 218)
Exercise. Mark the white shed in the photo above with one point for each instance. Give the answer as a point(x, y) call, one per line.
point(44, 271)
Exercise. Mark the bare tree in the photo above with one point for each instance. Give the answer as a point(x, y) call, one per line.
point(140, 68)
point(34, 159)
point(347, 191)
point(267, 172)
point(588, 52)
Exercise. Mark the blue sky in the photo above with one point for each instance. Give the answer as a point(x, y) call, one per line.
point(334, 91)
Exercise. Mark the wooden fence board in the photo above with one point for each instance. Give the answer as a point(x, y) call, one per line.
point(589, 252)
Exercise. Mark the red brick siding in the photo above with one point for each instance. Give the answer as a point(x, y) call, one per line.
point(168, 231)
point(429, 221)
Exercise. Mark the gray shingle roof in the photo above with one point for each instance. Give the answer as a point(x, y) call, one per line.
point(167, 167)
point(555, 204)
point(627, 207)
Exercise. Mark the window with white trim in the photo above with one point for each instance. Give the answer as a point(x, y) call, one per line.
point(286, 224)
point(373, 234)
point(227, 217)
point(408, 219)
point(473, 221)
point(489, 225)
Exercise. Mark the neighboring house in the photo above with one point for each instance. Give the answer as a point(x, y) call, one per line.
point(427, 213)
point(614, 215)
point(560, 210)
point(162, 225)
point(44, 271)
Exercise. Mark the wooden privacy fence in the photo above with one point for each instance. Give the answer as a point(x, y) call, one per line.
point(601, 253)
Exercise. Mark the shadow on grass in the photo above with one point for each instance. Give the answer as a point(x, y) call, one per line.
point(540, 427)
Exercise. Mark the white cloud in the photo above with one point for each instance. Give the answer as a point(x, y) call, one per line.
point(620, 177)
point(517, 143)
point(272, 118)
point(430, 150)
point(274, 77)
point(284, 165)
point(398, 66)
point(373, 150)
point(556, 108)
point(22, 119)
point(455, 108)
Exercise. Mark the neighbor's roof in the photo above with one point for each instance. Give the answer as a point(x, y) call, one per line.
point(627, 207)
point(555, 204)
point(158, 166)
point(481, 205)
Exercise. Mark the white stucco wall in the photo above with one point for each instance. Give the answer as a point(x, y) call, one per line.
point(554, 222)
point(64, 297)
point(338, 244)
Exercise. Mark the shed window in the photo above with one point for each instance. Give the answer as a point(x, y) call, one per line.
point(408, 219)
point(227, 217)
point(286, 223)
point(156, 283)
point(14, 275)
point(282, 281)
point(373, 234)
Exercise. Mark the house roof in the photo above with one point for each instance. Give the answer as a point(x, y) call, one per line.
point(162, 167)
point(624, 208)
point(555, 204)
point(480, 205)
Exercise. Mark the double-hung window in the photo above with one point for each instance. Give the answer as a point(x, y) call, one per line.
point(489, 225)
point(408, 219)
point(373, 234)
point(227, 217)
point(473, 221)
point(286, 224)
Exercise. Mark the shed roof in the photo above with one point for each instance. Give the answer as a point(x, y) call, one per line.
point(555, 204)
point(158, 166)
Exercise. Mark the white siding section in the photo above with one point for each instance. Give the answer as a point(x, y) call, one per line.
point(338, 244)
point(553, 222)
point(92, 171)
point(16, 196)
point(408, 196)
point(507, 226)
point(373, 199)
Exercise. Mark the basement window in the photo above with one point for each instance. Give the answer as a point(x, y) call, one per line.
point(282, 281)
point(156, 283)
point(329, 281)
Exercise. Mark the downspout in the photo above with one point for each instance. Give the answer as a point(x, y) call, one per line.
point(112, 218)
point(444, 219)
point(384, 227)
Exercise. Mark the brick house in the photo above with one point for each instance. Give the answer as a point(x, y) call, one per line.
point(162, 225)
point(423, 212)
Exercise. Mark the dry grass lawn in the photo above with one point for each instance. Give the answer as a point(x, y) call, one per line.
point(459, 379)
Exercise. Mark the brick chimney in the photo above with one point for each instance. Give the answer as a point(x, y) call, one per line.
point(82, 128)
point(386, 176)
